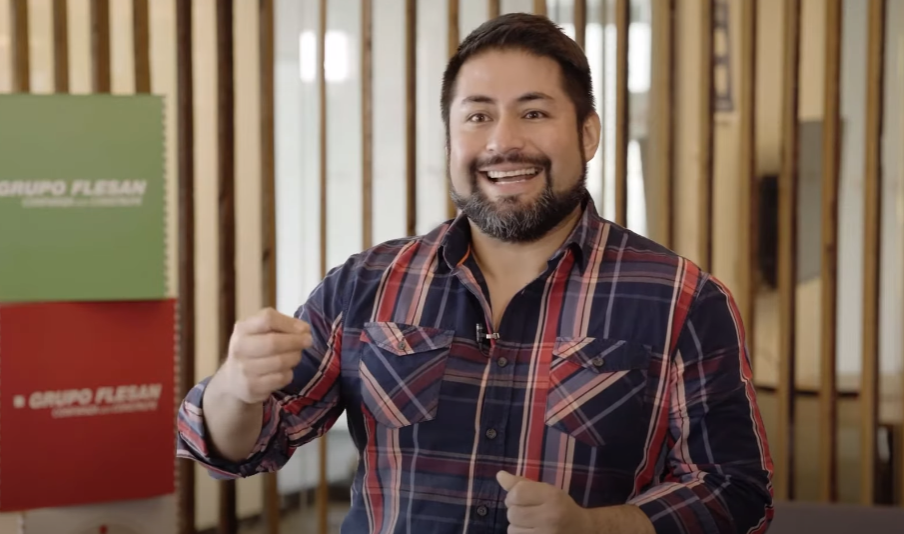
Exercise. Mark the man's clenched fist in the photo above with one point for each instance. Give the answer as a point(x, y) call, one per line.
point(541, 508)
point(263, 351)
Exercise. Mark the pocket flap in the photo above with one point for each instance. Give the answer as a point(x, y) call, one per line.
point(404, 339)
point(603, 355)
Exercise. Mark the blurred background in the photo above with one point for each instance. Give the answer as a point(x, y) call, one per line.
point(770, 150)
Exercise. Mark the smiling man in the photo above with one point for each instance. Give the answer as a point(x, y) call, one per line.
point(527, 367)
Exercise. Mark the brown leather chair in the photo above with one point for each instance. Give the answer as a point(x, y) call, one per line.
point(804, 518)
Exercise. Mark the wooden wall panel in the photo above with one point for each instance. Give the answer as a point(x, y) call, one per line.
point(411, 116)
point(141, 36)
point(707, 120)
point(60, 46)
point(748, 170)
point(622, 22)
point(20, 47)
point(367, 123)
point(100, 46)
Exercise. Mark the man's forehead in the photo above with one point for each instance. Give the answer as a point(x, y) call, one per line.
point(508, 75)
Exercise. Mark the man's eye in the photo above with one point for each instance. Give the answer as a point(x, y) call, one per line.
point(534, 115)
point(478, 117)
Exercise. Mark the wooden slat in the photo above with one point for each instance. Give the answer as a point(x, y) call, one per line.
point(787, 254)
point(266, 50)
point(748, 171)
point(411, 116)
point(186, 187)
point(228, 522)
point(622, 20)
point(494, 8)
point(831, 159)
point(322, 496)
point(540, 7)
point(21, 62)
point(100, 45)
point(367, 123)
point(60, 46)
point(663, 123)
point(142, 46)
point(707, 112)
point(872, 250)
point(454, 34)
point(580, 22)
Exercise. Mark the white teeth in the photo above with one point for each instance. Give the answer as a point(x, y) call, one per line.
point(496, 175)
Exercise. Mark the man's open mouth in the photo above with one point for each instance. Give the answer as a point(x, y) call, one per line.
point(513, 176)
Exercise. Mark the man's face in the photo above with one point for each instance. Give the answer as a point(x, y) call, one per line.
point(517, 157)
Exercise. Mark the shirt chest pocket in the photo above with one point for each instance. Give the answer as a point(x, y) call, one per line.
point(597, 388)
point(401, 370)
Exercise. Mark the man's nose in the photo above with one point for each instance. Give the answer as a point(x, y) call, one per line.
point(506, 137)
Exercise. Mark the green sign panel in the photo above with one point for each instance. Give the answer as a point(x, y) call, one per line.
point(82, 204)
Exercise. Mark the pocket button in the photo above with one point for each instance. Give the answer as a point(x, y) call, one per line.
point(482, 511)
point(502, 362)
point(403, 345)
point(597, 361)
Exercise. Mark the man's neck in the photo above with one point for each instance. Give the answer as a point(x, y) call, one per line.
point(521, 261)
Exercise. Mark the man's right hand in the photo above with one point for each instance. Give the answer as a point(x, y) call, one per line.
point(263, 351)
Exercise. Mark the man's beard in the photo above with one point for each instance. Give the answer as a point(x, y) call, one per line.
point(507, 220)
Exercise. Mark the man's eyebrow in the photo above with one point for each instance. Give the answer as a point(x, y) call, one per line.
point(526, 97)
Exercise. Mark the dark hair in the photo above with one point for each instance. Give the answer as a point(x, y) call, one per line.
point(534, 34)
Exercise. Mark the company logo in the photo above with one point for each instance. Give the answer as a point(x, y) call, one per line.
point(89, 402)
point(75, 193)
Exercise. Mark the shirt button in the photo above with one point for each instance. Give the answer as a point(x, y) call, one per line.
point(403, 345)
point(491, 433)
point(482, 511)
point(597, 362)
point(502, 362)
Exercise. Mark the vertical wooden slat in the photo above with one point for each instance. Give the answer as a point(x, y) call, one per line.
point(266, 42)
point(142, 46)
point(228, 522)
point(454, 38)
point(707, 112)
point(540, 7)
point(494, 8)
point(100, 45)
point(21, 62)
point(367, 121)
point(622, 21)
point(872, 250)
point(580, 22)
point(664, 121)
point(748, 170)
point(322, 497)
point(787, 254)
point(60, 46)
point(831, 150)
point(186, 186)
point(411, 115)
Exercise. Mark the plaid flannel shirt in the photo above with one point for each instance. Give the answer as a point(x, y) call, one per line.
point(619, 375)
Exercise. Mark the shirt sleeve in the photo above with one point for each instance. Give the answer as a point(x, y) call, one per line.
point(719, 470)
point(302, 411)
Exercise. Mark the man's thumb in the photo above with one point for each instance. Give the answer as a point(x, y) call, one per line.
point(508, 480)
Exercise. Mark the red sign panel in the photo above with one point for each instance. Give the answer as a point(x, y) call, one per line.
point(87, 402)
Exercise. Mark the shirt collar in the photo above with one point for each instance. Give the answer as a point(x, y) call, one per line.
point(456, 243)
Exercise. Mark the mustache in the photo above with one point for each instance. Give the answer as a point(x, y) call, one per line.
point(534, 161)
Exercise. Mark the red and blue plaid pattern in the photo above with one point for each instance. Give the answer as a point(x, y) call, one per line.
point(619, 375)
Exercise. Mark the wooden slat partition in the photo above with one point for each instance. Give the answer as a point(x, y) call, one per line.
point(540, 7)
point(787, 254)
point(21, 61)
point(663, 122)
point(266, 51)
point(322, 497)
point(367, 121)
point(454, 33)
point(228, 522)
point(142, 45)
point(831, 159)
point(580, 22)
point(186, 209)
point(707, 112)
point(60, 46)
point(622, 21)
point(748, 170)
point(494, 8)
point(100, 45)
point(411, 116)
point(872, 250)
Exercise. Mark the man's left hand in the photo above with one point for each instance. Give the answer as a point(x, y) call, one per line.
point(540, 508)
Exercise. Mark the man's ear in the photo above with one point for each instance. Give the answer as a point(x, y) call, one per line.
point(591, 130)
